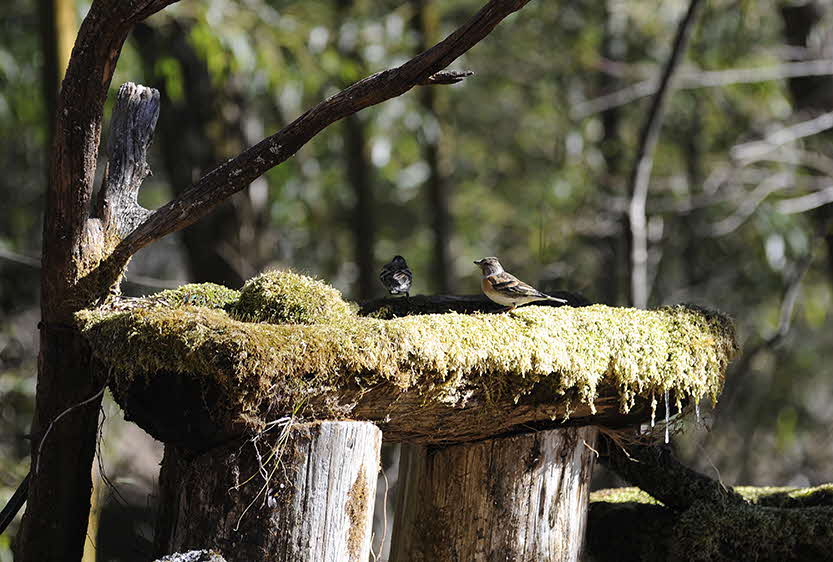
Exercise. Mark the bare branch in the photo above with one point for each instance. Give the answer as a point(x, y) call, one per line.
point(644, 161)
point(755, 150)
point(805, 202)
point(749, 204)
point(234, 175)
point(695, 79)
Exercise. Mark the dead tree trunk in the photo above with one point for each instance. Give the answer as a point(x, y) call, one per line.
point(303, 494)
point(521, 497)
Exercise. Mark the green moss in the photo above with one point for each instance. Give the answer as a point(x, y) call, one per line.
point(304, 338)
point(758, 495)
point(778, 524)
point(208, 295)
point(285, 297)
point(630, 494)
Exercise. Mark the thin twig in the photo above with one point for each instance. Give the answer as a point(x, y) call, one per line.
point(14, 504)
point(62, 414)
point(644, 161)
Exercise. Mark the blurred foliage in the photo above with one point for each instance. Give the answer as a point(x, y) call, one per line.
point(532, 182)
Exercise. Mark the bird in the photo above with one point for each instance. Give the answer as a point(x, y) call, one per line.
point(506, 289)
point(396, 276)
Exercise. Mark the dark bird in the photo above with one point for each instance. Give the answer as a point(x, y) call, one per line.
point(396, 277)
point(506, 289)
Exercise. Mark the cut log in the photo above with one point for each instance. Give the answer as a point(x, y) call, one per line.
point(301, 494)
point(522, 497)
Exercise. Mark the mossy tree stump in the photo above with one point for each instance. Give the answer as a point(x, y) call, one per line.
point(503, 404)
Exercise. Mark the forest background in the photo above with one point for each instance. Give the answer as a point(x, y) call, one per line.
point(530, 160)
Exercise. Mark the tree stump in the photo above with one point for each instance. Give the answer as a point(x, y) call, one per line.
point(520, 498)
point(304, 494)
point(201, 366)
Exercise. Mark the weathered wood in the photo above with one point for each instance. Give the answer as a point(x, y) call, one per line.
point(521, 498)
point(174, 408)
point(463, 304)
point(302, 494)
point(131, 132)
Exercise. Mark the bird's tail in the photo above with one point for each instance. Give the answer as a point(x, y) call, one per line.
point(556, 299)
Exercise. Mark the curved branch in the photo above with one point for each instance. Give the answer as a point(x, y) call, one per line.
point(232, 176)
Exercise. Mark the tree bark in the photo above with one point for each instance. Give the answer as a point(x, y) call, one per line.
point(59, 491)
point(304, 494)
point(522, 497)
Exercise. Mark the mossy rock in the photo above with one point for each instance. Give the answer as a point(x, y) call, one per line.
point(286, 297)
point(292, 344)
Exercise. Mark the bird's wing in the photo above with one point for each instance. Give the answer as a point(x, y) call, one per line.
point(403, 276)
point(509, 284)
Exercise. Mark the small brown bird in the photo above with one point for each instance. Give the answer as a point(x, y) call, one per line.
point(396, 276)
point(506, 289)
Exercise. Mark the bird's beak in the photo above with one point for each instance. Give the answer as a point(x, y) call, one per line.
point(477, 262)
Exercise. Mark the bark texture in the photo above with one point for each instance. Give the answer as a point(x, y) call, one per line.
point(302, 494)
point(520, 498)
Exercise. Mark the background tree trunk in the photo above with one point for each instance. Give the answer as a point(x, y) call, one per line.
point(359, 173)
point(304, 494)
point(522, 497)
point(58, 26)
point(194, 134)
point(425, 23)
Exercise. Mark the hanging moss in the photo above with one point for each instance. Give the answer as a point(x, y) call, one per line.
point(300, 338)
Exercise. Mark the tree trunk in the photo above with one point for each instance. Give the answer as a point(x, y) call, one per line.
point(303, 494)
point(194, 133)
point(363, 212)
point(520, 498)
point(59, 496)
point(58, 26)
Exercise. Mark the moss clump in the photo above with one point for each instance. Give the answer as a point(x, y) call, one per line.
point(630, 494)
point(302, 340)
point(209, 295)
point(285, 297)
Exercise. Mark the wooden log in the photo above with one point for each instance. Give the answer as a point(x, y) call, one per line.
point(300, 494)
point(394, 307)
point(521, 498)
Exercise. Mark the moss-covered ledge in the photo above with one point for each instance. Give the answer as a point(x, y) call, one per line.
point(772, 524)
point(202, 363)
